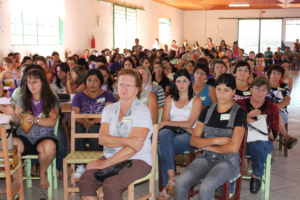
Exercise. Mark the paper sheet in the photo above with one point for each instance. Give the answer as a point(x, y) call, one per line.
point(4, 100)
point(254, 135)
point(4, 119)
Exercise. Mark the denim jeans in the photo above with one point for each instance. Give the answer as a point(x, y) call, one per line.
point(80, 143)
point(171, 144)
point(61, 152)
point(214, 170)
point(259, 151)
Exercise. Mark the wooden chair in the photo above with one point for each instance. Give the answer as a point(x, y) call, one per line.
point(78, 157)
point(51, 171)
point(150, 176)
point(10, 192)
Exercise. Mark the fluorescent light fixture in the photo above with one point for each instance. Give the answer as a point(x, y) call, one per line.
point(239, 5)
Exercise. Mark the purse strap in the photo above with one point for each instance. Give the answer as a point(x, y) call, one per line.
point(256, 129)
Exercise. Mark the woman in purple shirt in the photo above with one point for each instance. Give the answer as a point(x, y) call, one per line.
point(114, 66)
point(90, 101)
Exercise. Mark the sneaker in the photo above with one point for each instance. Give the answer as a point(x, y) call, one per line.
point(79, 171)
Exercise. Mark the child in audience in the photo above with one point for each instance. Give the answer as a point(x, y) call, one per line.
point(41, 61)
point(76, 83)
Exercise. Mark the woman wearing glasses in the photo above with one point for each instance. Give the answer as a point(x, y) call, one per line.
point(159, 78)
point(242, 72)
point(206, 92)
point(219, 67)
point(126, 128)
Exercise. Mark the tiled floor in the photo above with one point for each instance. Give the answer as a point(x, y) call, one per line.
point(285, 178)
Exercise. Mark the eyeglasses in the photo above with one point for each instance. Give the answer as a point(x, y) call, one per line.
point(121, 85)
point(32, 82)
point(157, 67)
point(202, 73)
point(240, 70)
point(260, 90)
point(222, 67)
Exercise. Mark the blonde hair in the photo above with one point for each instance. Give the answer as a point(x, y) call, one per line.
point(147, 71)
point(136, 75)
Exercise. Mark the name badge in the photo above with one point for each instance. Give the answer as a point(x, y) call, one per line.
point(203, 98)
point(279, 88)
point(101, 100)
point(225, 117)
point(173, 73)
point(247, 93)
point(144, 99)
point(261, 116)
point(187, 108)
point(154, 82)
point(126, 119)
point(286, 81)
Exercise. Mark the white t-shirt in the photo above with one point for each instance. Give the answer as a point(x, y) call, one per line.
point(156, 46)
point(138, 115)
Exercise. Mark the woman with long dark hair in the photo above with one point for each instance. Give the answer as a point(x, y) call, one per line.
point(114, 66)
point(62, 71)
point(107, 79)
point(38, 99)
point(128, 63)
point(181, 109)
point(159, 78)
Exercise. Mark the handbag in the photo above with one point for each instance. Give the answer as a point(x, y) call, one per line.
point(258, 130)
point(113, 170)
point(175, 129)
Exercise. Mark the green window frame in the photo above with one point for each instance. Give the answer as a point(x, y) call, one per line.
point(124, 26)
point(30, 30)
point(164, 30)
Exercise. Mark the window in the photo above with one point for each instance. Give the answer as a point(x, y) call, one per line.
point(164, 30)
point(28, 29)
point(292, 30)
point(124, 27)
point(248, 35)
point(257, 35)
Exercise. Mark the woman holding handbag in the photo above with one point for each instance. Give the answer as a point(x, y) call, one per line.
point(126, 128)
point(256, 106)
point(179, 119)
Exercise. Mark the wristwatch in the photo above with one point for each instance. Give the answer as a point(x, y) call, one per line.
point(37, 120)
point(206, 148)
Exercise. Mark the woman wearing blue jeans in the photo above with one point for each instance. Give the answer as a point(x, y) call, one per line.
point(181, 110)
point(219, 133)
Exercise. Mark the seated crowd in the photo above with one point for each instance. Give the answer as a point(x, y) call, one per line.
point(210, 95)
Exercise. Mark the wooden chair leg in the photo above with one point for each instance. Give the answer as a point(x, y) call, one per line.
point(65, 175)
point(131, 191)
point(226, 191)
point(20, 181)
point(160, 186)
point(54, 174)
point(72, 179)
point(8, 184)
point(285, 148)
point(280, 140)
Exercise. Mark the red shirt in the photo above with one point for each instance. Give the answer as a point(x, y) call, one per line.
point(268, 108)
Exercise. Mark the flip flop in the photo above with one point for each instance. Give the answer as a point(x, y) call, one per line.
point(291, 143)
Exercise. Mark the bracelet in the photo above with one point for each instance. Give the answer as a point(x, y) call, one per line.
point(206, 148)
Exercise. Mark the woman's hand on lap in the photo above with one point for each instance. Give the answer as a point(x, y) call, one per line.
point(97, 164)
point(32, 119)
point(161, 125)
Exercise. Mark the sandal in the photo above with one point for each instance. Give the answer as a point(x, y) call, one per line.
point(291, 142)
point(171, 186)
point(164, 196)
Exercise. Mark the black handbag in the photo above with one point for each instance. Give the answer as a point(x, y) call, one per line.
point(175, 129)
point(113, 170)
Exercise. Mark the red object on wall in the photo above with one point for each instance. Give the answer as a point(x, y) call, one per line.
point(93, 43)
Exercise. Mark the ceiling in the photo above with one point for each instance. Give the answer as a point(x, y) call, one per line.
point(223, 4)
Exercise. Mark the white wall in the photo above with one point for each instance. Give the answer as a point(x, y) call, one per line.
point(81, 19)
point(199, 25)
